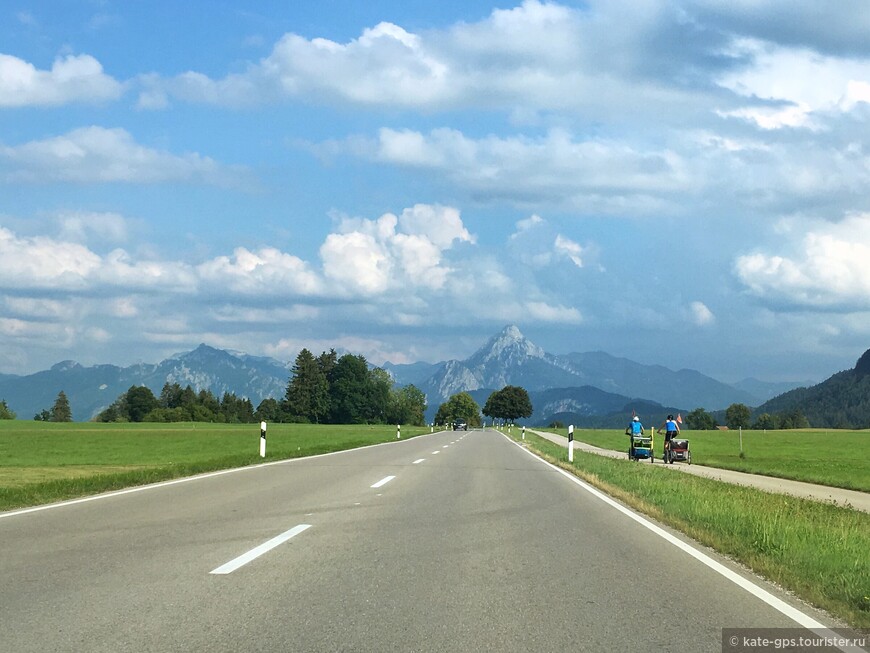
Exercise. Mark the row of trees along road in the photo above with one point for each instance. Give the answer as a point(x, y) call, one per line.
point(508, 404)
point(739, 416)
point(327, 389)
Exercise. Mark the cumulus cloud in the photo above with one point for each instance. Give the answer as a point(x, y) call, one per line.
point(47, 263)
point(373, 256)
point(799, 85)
point(539, 54)
point(569, 249)
point(544, 312)
point(640, 73)
point(538, 244)
point(96, 155)
point(826, 269)
point(592, 174)
point(44, 262)
point(71, 79)
point(700, 314)
point(266, 271)
point(386, 64)
point(368, 257)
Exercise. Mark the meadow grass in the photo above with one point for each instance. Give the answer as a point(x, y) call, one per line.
point(827, 457)
point(43, 462)
point(818, 551)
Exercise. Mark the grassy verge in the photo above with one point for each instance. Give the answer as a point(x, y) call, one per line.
point(818, 551)
point(835, 458)
point(44, 462)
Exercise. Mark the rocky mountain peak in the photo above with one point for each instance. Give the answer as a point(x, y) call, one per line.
point(508, 345)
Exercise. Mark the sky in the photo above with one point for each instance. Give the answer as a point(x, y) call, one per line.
point(678, 183)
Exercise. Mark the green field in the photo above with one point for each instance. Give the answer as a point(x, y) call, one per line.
point(41, 462)
point(818, 551)
point(835, 458)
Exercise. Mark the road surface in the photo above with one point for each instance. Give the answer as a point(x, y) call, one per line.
point(446, 542)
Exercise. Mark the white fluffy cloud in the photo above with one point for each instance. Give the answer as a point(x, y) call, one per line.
point(537, 244)
point(71, 79)
point(373, 256)
point(827, 268)
point(368, 257)
point(801, 85)
point(96, 154)
point(596, 175)
point(538, 55)
point(264, 272)
point(700, 314)
point(42, 262)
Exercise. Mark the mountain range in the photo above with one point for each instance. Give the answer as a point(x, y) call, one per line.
point(588, 386)
point(841, 401)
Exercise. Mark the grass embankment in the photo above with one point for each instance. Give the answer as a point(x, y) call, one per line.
point(45, 462)
point(835, 458)
point(818, 551)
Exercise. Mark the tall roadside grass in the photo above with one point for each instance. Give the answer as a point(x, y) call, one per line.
point(46, 462)
point(820, 552)
point(827, 457)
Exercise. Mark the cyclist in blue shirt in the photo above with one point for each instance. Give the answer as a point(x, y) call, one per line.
point(672, 430)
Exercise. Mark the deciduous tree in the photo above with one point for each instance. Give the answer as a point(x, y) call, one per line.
point(738, 416)
point(509, 403)
point(700, 420)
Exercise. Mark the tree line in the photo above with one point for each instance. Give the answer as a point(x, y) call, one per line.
point(738, 416)
point(326, 389)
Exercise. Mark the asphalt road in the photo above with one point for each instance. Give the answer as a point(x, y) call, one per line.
point(472, 545)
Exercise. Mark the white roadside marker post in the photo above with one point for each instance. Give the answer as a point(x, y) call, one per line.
point(524, 431)
point(262, 439)
point(398, 431)
point(571, 443)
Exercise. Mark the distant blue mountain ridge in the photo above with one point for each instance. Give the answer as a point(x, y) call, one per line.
point(589, 384)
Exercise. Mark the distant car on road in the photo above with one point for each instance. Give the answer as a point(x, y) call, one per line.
point(460, 425)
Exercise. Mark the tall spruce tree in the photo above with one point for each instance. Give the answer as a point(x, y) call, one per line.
point(307, 393)
point(61, 411)
point(5, 411)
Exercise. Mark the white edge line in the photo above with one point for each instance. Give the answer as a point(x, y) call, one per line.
point(793, 613)
point(197, 477)
point(383, 481)
point(256, 552)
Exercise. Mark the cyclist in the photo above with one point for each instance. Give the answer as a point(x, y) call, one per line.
point(634, 428)
point(672, 430)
